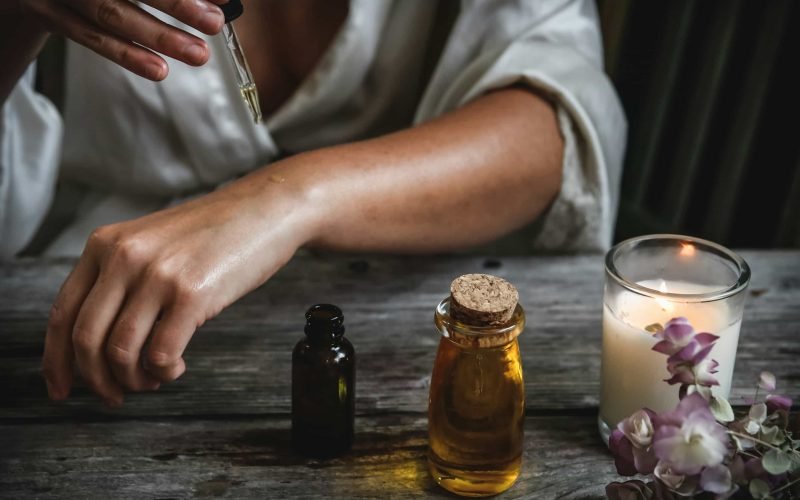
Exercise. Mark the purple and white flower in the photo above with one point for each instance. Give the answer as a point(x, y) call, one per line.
point(678, 334)
point(632, 442)
point(687, 450)
point(688, 352)
point(689, 438)
point(671, 479)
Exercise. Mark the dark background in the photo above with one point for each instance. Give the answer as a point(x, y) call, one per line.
point(710, 89)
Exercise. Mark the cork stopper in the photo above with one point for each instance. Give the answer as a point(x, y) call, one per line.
point(482, 300)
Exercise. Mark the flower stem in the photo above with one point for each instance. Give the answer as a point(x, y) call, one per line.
point(785, 486)
point(751, 438)
point(755, 440)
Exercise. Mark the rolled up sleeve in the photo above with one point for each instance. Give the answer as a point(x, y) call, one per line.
point(553, 46)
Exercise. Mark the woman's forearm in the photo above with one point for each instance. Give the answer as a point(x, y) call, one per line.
point(463, 179)
point(142, 287)
point(21, 39)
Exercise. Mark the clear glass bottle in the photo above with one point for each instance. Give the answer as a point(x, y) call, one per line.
point(476, 407)
point(323, 385)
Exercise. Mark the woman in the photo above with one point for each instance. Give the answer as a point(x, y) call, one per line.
point(395, 125)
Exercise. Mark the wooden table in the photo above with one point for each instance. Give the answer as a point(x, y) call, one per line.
point(223, 429)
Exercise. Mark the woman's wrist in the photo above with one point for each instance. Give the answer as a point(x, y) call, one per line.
point(304, 176)
point(287, 198)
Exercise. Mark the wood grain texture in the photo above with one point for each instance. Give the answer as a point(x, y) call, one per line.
point(252, 458)
point(239, 363)
point(222, 430)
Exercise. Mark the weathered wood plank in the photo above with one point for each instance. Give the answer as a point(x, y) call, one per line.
point(239, 363)
point(252, 458)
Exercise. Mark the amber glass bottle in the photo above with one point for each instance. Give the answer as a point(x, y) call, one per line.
point(476, 407)
point(323, 385)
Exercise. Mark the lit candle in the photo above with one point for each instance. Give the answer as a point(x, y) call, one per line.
point(652, 280)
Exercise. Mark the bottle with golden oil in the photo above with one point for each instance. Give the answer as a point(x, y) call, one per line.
point(476, 407)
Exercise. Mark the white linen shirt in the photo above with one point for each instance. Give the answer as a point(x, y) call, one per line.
point(136, 146)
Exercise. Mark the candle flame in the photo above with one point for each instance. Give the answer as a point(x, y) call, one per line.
point(687, 250)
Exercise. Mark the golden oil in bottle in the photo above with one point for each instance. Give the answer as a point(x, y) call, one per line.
point(476, 407)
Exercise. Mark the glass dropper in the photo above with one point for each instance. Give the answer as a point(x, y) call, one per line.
point(244, 78)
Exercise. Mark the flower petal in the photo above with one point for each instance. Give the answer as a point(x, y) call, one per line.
point(775, 402)
point(622, 449)
point(683, 376)
point(703, 373)
point(767, 381)
point(702, 353)
point(678, 320)
point(758, 412)
point(685, 354)
point(675, 417)
point(665, 347)
point(644, 460)
point(752, 427)
point(678, 333)
point(689, 438)
point(629, 490)
point(705, 338)
point(638, 428)
point(667, 476)
point(694, 403)
point(716, 479)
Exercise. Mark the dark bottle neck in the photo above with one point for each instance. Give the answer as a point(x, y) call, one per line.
point(323, 341)
point(324, 324)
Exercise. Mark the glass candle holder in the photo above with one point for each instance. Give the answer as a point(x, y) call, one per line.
point(652, 279)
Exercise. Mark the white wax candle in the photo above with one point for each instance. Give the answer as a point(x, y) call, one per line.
point(632, 374)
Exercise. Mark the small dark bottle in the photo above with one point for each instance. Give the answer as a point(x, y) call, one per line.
point(323, 385)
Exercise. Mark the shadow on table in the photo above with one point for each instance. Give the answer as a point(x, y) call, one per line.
point(387, 457)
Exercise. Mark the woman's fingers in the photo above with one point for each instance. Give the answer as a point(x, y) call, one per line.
point(106, 317)
point(65, 21)
point(168, 373)
point(122, 32)
point(128, 337)
point(96, 316)
point(164, 358)
point(126, 21)
point(202, 15)
point(58, 352)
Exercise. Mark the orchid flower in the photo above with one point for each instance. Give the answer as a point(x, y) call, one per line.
point(689, 438)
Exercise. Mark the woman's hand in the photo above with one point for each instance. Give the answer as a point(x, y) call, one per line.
point(140, 289)
point(121, 31)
